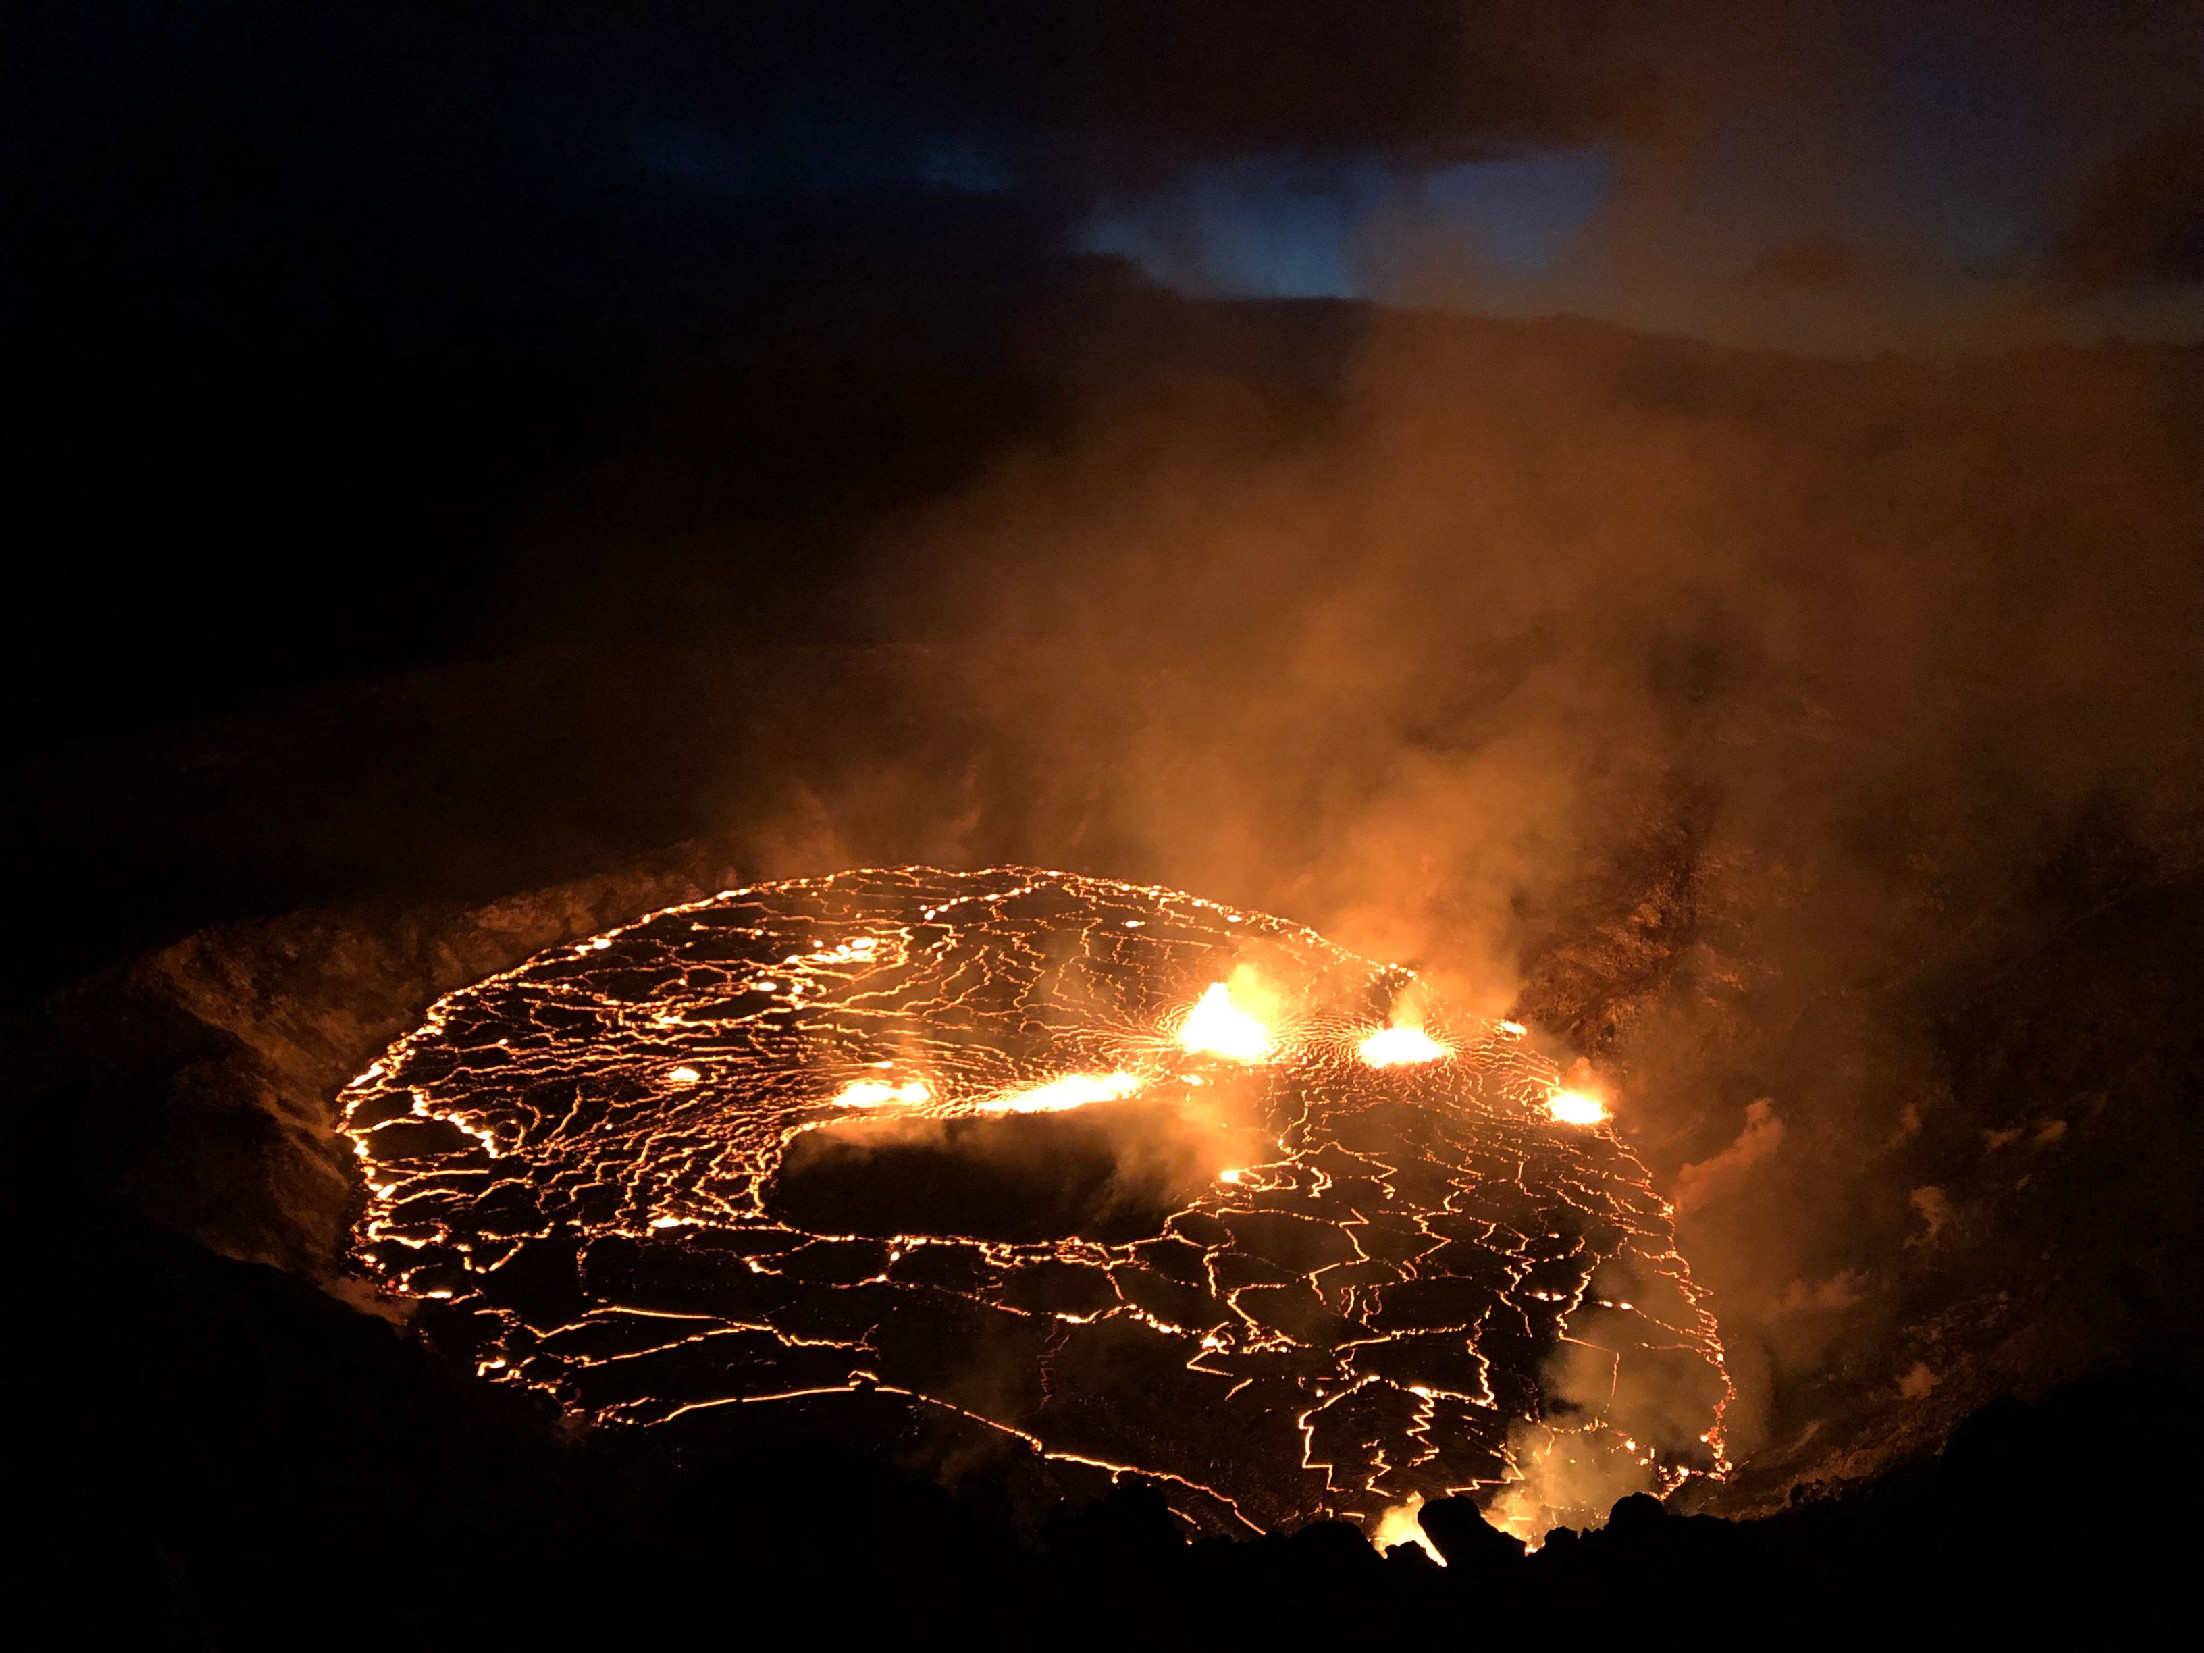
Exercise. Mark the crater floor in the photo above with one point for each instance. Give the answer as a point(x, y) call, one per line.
point(966, 1139)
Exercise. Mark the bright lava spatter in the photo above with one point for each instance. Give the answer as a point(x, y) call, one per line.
point(938, 1135)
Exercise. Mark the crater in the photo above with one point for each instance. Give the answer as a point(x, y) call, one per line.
point(1378, 1261)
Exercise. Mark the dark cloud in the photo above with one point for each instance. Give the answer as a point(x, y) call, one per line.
point(1165, 79)
point(638, 184)
point(2141, 220)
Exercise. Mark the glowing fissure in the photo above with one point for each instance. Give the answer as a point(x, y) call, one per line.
point(1074, 1090)
point(874, 1093)
point(1351, 1281)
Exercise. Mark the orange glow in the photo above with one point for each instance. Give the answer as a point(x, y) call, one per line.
point(1219, 1025)
point(1575, 1108)
point(1221, 1059)
point(874, 1093)
point(1399, 1525)
point(1074, 1090)
point(1393, 1047)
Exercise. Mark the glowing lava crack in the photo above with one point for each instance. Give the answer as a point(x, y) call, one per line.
point(1149, 1183)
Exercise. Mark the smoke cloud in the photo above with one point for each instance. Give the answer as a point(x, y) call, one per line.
point(1737, 720)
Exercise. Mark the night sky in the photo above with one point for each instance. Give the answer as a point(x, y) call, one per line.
point(1872, 177)
point(499, 230)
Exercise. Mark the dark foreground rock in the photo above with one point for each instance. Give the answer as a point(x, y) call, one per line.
point(225, 1457)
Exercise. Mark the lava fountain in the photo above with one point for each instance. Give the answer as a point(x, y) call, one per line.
point(1146, 1182)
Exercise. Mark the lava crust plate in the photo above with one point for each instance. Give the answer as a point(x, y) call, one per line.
point(1112, 1169)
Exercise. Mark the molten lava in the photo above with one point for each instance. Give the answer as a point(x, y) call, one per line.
point(861, 1093)
point(1219, 1025)
point(1115, 1171)
point(1574, 1108)
point(1393, 1047)
point(1074, 1090)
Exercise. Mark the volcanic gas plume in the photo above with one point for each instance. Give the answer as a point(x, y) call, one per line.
point(1181, 1192)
